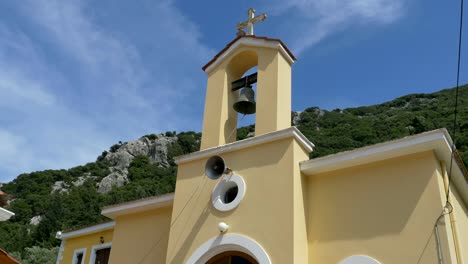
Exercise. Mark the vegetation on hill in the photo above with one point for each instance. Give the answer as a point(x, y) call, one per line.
point(330, 131)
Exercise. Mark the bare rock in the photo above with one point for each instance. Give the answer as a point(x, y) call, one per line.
point(159, 149)
point(116, 178)
point(60, 186)
point(296, 118)
point(81, 180)
point(35, 220)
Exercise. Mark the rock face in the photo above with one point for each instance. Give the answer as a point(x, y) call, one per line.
point(296, 118)
point(116, 178)
point(156, 148)
point(35, 220)
point(61, 186)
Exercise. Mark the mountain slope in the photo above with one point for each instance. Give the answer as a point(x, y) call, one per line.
point(52, 200)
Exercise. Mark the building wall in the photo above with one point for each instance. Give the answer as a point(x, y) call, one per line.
point(141, 238)
point(385, 210)
point(264, 215)
point(87, 241)
point(460, 221)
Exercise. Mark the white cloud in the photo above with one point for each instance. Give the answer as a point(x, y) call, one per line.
point(72, 86)
point(312, 20)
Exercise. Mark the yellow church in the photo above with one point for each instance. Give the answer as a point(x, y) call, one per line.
point(262, 200)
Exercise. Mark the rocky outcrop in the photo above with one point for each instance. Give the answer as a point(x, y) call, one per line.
point(156, 148)
point(61, 186)
point(116, 179)
point(35, 220)
point(296, 118)
point(159, 150)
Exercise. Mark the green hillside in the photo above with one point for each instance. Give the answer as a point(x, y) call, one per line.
point(77, 205)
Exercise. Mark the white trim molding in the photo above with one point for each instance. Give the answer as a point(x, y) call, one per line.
point(229, 242)
point(61, 249)
point(361, 259)
point(88, 230)
point(253, 42)
point(75, 256)
point(95, 248)
point(142, 205)
point(5, 214)
point(249, 142)
point(436, 140)
point(219, 191)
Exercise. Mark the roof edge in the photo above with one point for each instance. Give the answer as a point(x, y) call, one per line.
point(249, 142)
point(87, 230)
point(249, 40)
point(140, 205)
point(5, 214)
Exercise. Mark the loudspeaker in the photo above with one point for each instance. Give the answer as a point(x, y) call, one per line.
point(215, 167)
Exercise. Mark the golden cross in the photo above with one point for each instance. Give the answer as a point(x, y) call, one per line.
point(251, 21)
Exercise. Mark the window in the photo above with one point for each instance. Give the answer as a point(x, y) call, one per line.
point(100, 254)
point(79, 256)
point(232, 257)
point(228, 193)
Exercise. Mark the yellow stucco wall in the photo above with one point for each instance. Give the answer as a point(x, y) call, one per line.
point(385, 210)
point(273, 94)
point(460, 217)
point(266, 214)
point(141, 238)
point(87, 241)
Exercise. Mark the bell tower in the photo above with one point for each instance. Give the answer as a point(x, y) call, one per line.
point(243, 199)
point(273, 107)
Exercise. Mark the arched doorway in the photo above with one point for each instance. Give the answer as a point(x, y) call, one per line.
point(232, 257)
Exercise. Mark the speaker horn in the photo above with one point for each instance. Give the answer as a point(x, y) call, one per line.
point(215, 167)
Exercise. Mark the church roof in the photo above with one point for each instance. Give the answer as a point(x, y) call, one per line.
point(5, 258)
point(87, 230)
point(438, 141)
point(246, 39)
point(140, 205)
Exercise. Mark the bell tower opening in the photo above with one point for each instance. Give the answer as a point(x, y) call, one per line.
point(246, 107)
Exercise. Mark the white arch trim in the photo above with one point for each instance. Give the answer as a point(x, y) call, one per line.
point(359, 259)
point(229, 242)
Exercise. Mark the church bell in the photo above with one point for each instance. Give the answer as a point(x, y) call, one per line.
point(246, 102)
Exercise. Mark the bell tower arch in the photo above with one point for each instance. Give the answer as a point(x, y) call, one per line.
point(273, 107)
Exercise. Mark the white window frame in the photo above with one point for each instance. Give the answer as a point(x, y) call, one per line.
point(95, 248)
point(75, 256)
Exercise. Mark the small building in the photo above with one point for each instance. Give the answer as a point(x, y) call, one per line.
point(262, 200)
point(5, 258)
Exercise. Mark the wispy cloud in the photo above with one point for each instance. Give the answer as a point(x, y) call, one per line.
point(73, 83)
point(312, 20)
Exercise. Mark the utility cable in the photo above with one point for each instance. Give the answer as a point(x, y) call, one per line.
point(454, 130)
point(448, 208)
point(202, 182)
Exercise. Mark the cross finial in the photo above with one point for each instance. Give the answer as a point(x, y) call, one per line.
point(250, 22)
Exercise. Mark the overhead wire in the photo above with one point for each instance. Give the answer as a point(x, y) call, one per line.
point(455, 126)
point(202, 182)
point(448, 208)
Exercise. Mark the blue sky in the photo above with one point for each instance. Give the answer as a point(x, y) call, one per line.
point(79, 76)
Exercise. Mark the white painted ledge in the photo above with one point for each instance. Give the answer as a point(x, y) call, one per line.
point(5, 214)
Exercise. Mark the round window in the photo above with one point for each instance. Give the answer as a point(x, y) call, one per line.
point(228, 193)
